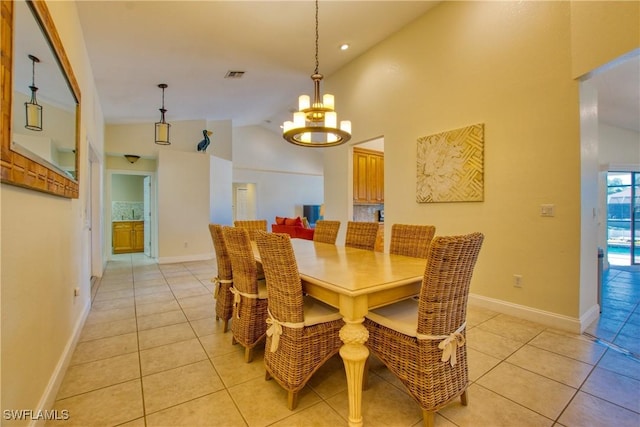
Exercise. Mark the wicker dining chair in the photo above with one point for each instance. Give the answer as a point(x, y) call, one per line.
point(248, 324)
point(224, 280)
point(423, 342)
point(326, 231)
point(252, 226)
point(411, 240)
point(303, 332)
point(361, 235)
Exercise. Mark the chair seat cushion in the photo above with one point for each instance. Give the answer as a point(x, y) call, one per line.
point(401, 316)
point(316, 312)
point(262, 289)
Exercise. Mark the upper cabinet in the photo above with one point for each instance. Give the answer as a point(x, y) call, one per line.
point(368, 176)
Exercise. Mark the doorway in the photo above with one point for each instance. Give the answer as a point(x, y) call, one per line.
point(131, 197)
point(244, 201)
point(93, 217)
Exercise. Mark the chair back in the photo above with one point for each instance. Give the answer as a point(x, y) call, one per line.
point(243, 263)
point(411, 240)
point(445, 288)
point(283, 279)
point(361, 235)
point(326, 231)
point(252, 226)
point(225, 272)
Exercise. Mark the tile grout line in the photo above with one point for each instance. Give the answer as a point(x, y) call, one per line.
point(135, 311)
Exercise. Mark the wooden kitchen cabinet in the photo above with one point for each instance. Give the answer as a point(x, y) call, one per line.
point(376, 174)
point(368, 176)
point(128, 236)
point(138, 236)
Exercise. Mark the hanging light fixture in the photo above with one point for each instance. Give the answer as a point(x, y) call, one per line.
point(316, 124)
point(33, 110)
point(162, 127)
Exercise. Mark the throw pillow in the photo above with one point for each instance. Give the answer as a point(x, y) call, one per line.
point(293, 221)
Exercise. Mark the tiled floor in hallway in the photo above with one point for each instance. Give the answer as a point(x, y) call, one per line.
point(152, 354)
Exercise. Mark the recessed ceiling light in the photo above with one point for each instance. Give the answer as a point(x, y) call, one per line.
point(344, 46)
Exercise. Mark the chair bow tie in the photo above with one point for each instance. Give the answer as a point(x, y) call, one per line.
point(236, 298)
point(274, 331)
point(217, 283)
point(449, 343)
point(449, 346)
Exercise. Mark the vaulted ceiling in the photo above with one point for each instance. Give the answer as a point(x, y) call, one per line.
point(192, 45)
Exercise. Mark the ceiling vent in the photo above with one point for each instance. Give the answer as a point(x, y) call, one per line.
point(234, 74)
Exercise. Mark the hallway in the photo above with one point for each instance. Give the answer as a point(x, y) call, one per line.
point(152, 354)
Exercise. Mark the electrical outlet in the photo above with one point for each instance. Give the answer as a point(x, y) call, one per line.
point(517, 280)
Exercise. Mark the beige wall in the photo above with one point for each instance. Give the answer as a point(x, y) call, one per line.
point(507, 65)
point(602, 31)
point(45, 255)
point(184, 135)
point(618, 146)
point(183, 207)
point(127, 188)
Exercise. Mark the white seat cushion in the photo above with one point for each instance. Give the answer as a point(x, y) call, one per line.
point(262, 289)
point(318, 312)
point(401, 316)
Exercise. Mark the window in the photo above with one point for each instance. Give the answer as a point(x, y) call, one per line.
point(623, 218)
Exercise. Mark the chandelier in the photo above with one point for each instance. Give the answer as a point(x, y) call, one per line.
point(162, 127)
point(316, 124)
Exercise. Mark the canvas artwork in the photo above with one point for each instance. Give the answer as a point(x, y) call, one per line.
point(450, 166)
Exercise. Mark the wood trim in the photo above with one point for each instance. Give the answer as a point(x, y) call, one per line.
point(16, 169)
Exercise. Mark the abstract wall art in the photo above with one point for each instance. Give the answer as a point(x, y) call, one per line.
point(450, 166)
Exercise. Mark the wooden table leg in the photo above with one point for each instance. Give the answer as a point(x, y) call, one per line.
point(354, 354)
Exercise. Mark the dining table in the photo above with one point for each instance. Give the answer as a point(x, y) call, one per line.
point(354, 281)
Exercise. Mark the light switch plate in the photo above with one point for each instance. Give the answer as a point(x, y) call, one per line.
point(547, 210)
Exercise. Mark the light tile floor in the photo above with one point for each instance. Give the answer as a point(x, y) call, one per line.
point(152, 354)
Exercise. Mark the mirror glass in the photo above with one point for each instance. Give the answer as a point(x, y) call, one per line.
point(56, 142)
point(44, 160)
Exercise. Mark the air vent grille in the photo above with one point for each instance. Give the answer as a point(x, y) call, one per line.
point(234, 74)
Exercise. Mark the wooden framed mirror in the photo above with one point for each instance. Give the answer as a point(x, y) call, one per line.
point(46, 160)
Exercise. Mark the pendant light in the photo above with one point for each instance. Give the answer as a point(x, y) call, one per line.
point(316, 124)
point(162, 127)
point(33, 110)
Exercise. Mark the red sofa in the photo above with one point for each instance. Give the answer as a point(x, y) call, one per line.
point(293, 227)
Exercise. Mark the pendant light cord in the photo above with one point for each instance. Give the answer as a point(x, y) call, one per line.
point(33, 72)
point(317, 61)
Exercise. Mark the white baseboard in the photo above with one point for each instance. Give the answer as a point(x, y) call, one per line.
point(589, 317)
point(547, 318)
point(49, 396)
point(185, 258)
